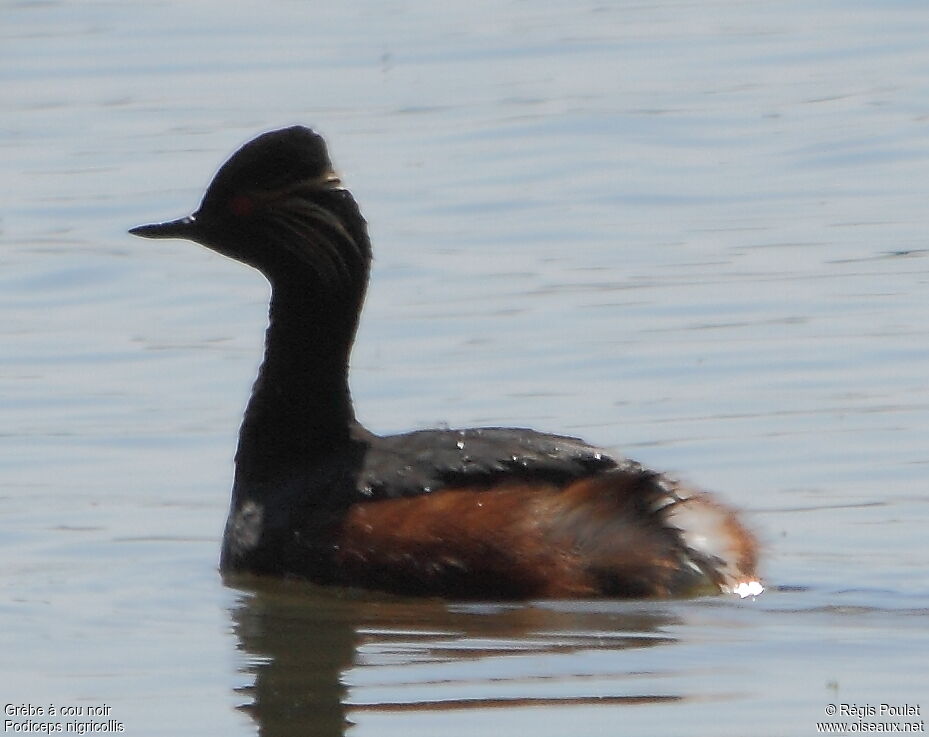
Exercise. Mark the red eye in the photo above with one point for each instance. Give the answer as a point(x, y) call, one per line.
point(241, 205)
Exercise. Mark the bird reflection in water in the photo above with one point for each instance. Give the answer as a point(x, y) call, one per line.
point(316, 659)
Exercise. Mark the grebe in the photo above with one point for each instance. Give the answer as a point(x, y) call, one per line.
point(483, 513)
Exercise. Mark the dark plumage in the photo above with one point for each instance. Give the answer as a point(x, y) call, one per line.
point(478, 513)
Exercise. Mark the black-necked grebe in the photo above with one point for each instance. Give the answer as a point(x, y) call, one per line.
point(487, 513)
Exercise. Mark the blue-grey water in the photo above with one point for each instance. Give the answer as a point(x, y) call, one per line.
point(692, 231)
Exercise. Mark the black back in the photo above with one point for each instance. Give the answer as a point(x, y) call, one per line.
point(429, 460)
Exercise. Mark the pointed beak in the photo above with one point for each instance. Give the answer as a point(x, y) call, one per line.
point(183, 228)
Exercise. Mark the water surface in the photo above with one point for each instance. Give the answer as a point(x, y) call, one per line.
point(694, 232)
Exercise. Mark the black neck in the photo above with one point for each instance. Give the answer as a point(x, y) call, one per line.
point(301, 407)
